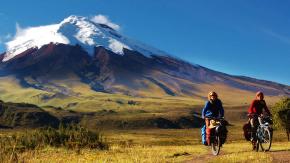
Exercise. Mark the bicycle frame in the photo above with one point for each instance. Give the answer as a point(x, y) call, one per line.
point(264, 129)
point(216, 136)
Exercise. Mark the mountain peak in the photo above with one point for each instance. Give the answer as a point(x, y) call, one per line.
point(76, 30)
point(73, 19)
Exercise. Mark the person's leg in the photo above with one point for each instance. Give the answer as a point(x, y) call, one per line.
point(253, 132)
point(207, 130)
point(260, 120)
point(252, 122)
point(254, 125)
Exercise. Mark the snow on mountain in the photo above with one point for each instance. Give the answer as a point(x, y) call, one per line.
point(33, 37)
point(88, 33)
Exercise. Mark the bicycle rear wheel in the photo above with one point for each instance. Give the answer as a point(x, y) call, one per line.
point(266, 140)
point(216, 145)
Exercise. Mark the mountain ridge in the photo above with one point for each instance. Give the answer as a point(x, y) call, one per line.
point(109, 67)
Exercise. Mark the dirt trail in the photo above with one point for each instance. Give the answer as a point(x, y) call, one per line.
point(204, 158)
point(200, 159)
point(278, 157)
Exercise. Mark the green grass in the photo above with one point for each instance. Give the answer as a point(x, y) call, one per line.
point(88, 100)
point(13, 145)
point(158, 145)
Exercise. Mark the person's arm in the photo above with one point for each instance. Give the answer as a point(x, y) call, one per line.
point(266, 109)
point(251, 108)
point(204, 110)
point(221, 109)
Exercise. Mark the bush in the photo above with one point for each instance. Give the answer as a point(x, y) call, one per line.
point(70, 136)
point(282, 105)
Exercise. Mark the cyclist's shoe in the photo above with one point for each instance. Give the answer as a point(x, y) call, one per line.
point(254, 147)
point(252, 139)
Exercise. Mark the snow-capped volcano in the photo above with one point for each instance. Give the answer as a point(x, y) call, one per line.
point(91, 53)
point(73, 30)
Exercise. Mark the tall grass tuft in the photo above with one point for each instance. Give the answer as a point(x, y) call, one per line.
point(71, 136)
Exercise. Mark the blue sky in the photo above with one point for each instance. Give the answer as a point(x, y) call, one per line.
point(241, 37)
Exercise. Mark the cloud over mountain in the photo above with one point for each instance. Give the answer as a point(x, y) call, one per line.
point(102, 19)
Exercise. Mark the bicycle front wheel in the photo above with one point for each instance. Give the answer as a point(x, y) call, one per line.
point(216, 145)
point(266, 140)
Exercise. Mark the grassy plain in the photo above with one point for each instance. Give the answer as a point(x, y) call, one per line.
point(163, 145)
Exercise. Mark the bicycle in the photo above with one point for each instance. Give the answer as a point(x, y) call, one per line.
point(218, 134)
point(264, 134)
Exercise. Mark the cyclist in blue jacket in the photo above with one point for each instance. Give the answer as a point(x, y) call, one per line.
point(213, 109)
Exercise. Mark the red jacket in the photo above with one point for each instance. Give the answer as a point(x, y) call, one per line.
point(257, 107)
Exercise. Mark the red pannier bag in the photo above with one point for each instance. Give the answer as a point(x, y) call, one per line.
point(247, 131)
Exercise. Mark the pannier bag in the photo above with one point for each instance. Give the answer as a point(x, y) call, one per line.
point(247, 131)
point(203, 135)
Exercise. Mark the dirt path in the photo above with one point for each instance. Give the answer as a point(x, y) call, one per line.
point(280, 156)
point(204, 158)
point(200, 159)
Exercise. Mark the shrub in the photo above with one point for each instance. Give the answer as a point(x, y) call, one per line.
point(282, 105)
point(69, 136)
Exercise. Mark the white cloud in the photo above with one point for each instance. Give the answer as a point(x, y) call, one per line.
point(285, 39)
point(29, 37)
point(117, 46)
point(5, 38)
point(102, 19)
point(19, 30)
point(39, 35)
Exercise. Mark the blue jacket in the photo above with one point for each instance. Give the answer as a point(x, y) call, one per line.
point(215, 110)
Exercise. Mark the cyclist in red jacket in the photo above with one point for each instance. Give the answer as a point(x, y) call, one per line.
point(255, 112)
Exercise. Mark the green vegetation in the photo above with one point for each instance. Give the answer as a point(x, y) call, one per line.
point(159, 145)
point(25, 115)
point(83, 99)
point(72, 137)
point(280, 106)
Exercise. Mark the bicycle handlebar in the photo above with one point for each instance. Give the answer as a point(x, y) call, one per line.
point(261, 115)
point(214, 118)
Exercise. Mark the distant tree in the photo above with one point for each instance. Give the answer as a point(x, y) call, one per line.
point(281, 114)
